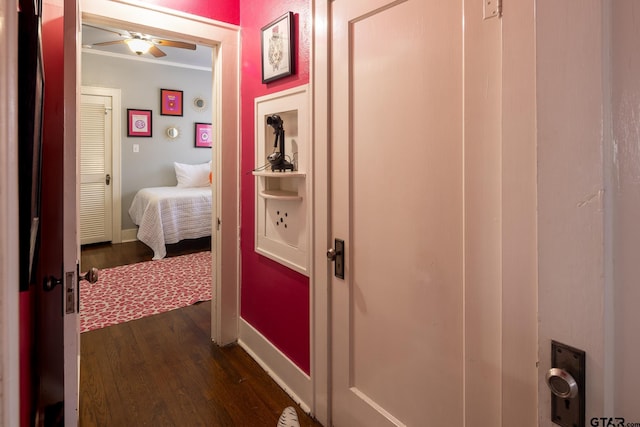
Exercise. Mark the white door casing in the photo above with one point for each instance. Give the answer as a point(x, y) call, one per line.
point(96, 174)
point(224, 38)
point(396, 198)
point(9, 223)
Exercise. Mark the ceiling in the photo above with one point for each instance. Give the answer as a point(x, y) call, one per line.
point(201, 57)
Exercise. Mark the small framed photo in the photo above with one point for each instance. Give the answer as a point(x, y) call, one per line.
point(138, 122)
point(277, 48)
point(170, 102)
point(204, 136)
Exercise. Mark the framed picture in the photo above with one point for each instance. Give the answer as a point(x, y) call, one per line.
point(204, 137)
point(277, 48)
point(138, 122)
point(170, 102)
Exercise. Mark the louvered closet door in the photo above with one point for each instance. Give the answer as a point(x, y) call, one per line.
point(95, 169)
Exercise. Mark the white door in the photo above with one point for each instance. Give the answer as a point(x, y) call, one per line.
point(96, 174)
point(70, 196)
point(396, 197)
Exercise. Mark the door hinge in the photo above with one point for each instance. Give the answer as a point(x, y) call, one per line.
point(218, 224)
point(492, 9)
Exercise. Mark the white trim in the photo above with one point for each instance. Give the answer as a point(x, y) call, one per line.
point(284, 372)
point(319, 277)
point(9, 277)
point(116, 161)
point(129, 235)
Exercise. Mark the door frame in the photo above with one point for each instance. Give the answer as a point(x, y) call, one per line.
point(225, 100)
point(116, 161)
point(320, 278)
point(9, 277)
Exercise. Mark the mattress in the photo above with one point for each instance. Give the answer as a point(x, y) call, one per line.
point(166, 215)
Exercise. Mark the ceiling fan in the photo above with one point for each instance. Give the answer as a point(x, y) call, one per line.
point(142, 43)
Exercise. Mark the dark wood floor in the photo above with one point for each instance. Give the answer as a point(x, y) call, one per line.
point(107, 255)
point(163, 370)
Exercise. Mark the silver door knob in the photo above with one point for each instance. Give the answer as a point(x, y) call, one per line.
point(561, 383)
point(331, 254)
point(90, 276)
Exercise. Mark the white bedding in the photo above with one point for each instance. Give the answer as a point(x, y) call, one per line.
point(167, 215)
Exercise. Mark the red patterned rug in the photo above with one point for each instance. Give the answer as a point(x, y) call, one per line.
point(138, 290)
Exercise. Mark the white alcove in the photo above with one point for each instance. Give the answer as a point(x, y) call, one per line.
point(282, 208)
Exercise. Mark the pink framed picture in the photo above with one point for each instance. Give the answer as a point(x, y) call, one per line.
point(204, 137)
point(138, 122)
point(170, 102)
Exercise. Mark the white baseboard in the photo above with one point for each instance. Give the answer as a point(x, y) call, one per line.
point(284, 372)
point(130, 235)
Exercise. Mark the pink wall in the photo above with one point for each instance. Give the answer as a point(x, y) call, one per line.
point(220, 10)
point(274, 299)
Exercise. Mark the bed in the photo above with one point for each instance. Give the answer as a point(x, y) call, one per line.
point(166, 215)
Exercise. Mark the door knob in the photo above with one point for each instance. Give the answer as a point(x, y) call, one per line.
point(331, 254)
point(108, 179)
point(90, 276)
point(561, 383)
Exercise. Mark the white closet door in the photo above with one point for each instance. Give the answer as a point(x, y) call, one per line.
point(96, 224)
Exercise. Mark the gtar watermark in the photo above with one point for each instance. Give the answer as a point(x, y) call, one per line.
point(612, 422)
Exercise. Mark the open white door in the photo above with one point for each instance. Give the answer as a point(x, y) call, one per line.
point(396, 197)
point(70, 212)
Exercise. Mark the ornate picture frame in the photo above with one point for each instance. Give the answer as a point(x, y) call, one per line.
point(277, 48)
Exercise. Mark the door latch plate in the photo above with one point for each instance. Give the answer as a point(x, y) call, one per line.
point(70, 292)
point(339, 261)
point(569, 412)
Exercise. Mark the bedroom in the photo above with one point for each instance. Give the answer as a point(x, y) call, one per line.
point(136, 160)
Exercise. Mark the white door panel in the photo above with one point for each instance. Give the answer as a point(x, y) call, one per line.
point(96, 175)
point(70, 214)
point(397, 203)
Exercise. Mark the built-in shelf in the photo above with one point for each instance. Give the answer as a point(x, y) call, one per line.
point(280, 195)
point(273, 189)
point(269, 174)
point(282, 215)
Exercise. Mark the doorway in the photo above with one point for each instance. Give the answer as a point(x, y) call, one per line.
point(224, 39)
point(224, 102)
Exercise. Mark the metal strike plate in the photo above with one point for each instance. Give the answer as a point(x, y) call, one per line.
point(568, 412)
point(339, 261)
point(70, 292)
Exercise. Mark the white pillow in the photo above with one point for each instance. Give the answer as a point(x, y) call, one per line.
point(192, 175)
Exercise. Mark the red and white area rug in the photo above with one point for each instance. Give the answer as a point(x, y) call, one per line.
point(138, 290)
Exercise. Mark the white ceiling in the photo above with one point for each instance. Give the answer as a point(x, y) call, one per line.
point(201, 57)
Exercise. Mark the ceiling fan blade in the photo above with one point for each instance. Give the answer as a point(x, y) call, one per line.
point(125, 34)
point(153, 50)
point(174, 43)
point(109, 43)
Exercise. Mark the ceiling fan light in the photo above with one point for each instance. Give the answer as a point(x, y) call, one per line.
point(139, 46)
